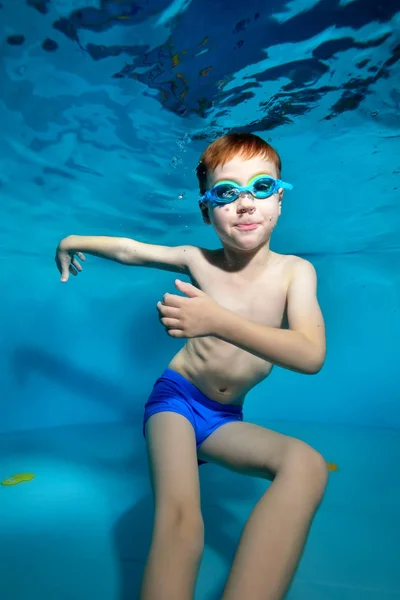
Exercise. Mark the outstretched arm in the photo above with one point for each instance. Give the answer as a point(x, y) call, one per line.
point(122, 250)
point(302, 347)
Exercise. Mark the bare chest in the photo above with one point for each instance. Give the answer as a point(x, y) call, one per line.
point(262, 301)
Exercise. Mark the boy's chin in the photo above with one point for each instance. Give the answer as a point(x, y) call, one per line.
point(244, 246)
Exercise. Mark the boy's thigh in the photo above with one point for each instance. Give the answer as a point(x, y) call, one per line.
point(171, 446)
point(248, 448)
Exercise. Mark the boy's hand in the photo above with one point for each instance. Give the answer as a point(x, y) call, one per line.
point(194, 316)
point(66, 261)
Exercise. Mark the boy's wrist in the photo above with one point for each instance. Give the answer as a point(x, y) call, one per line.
point(68, 243)
point(219, 321)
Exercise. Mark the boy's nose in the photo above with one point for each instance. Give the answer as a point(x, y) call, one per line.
point(245, 202)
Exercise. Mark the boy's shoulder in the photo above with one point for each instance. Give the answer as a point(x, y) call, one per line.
point(294, 268)
point(291, 262)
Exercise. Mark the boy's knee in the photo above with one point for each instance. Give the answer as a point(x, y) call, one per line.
point(183, 520)
point(308, 467)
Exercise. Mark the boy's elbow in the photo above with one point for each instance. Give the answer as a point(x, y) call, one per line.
point(315, 359)
point(316, 363)
point(125, 252)
point(313, 369)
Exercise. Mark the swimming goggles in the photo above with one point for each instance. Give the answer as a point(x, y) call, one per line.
point(260, 187)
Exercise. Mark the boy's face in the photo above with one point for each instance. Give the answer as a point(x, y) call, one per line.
point(247, 223)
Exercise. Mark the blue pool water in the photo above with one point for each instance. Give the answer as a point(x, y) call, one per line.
point(105, 109)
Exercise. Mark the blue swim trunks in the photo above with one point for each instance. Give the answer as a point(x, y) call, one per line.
point(173, 393)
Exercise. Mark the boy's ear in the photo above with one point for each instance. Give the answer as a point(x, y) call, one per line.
point(204, 212)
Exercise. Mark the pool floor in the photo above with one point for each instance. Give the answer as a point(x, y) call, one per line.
point(81, 528)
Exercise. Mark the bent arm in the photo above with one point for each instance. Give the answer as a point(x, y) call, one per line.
point(301, 348)
point(131, 252)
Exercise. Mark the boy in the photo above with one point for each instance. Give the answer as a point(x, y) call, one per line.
point(232, 316)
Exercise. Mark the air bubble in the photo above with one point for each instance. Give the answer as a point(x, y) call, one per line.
point(180, 196)
point(183, 141)
point(175, 161)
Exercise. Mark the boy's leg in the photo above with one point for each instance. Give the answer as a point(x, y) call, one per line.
point(178, 535)
point(275, 534)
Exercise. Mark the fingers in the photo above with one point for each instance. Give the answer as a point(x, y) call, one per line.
point(168, 316)
point(167, 311)
point(176, 333)
point(170, 323)
point(72, 268)
point(188, 288)
point(77, 265)
point(173, 300)
point(64, 270)
point(68, 266)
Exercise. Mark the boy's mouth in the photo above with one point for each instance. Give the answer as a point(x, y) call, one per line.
point(247, 226)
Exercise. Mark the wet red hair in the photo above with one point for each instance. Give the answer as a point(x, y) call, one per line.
point(225, 148)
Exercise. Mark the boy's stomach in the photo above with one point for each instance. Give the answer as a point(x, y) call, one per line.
point(220, 370)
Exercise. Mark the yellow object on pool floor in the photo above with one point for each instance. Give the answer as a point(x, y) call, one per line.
point(19, 478)
point(332, 466)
